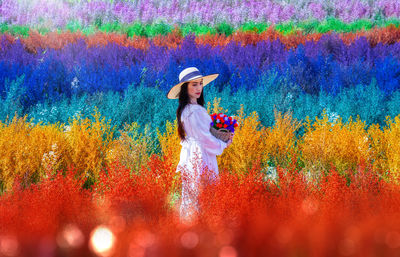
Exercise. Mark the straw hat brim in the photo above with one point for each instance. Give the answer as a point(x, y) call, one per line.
point(175, 90)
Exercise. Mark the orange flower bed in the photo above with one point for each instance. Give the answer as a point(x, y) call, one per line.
point(56, 40)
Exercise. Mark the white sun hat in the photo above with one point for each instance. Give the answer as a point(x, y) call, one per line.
point(186, 75)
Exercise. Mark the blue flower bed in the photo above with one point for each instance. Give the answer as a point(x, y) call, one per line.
point(129, 84)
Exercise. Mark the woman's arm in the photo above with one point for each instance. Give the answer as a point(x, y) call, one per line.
point(200, 122)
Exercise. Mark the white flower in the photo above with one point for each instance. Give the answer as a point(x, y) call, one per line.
point(332, 116)
point(53, 109)
point(75, 83)
point(44, 157)
point(270, 173)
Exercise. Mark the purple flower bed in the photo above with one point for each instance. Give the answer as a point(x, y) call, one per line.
point(57, 13)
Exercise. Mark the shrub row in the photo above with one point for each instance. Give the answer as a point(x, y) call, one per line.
point(149, 105)
point(33, 151)
point(60, 14)
point(156, 29)
point(329, 66)
point(57, 40)
point(246, 215)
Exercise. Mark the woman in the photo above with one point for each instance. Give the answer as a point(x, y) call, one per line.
point(199, 146)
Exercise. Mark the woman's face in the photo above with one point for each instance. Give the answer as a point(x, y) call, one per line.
point(195, 87)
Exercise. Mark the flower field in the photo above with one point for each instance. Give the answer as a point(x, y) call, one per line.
point(89, 144)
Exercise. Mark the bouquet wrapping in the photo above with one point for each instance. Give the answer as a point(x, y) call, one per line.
point(222, 126)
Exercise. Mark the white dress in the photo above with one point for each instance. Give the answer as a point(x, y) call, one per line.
point(199, 150)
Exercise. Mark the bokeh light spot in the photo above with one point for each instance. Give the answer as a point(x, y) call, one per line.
point(102, 241)
point(189, 239)
point(9, 246)
point(70, 237)
point(228, 251)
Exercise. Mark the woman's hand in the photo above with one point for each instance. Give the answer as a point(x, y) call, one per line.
point(230, 139)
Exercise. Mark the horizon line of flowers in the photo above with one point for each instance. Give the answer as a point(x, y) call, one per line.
point(222, 28)
point(56, 40)
point(57, 13)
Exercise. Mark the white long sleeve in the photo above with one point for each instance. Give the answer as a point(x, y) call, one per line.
point(198, 122)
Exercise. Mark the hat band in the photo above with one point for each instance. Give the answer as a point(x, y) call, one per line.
point(190, 75)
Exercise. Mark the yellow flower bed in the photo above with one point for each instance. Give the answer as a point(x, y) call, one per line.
point(33, 151)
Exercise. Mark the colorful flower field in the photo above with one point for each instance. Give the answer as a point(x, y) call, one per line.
point(89, 144)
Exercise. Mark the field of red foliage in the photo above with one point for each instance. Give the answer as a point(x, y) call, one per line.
point(133, 214)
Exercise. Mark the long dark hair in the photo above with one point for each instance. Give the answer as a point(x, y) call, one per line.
point(183, 101)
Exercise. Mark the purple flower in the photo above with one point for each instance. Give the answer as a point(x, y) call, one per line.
point(207, 12)
point(317, 10)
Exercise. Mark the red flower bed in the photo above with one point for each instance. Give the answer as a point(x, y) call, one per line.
point(248, 215)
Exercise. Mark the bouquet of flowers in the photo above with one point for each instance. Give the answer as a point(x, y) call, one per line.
point(222, 126)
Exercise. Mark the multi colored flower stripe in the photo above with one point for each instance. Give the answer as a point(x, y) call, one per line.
point(272, 93)
point(327, 65)
point(58, 13)
point(334, 172)
point(57, 40)
point(151, 30)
